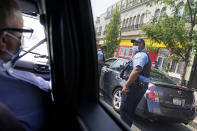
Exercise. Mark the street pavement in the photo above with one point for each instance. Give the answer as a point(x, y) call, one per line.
point(194, 123)
point(141, 124)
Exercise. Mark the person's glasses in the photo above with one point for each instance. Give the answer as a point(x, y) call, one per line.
point(26, 32)
point(20, 40)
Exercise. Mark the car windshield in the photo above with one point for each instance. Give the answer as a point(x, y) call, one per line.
point(118, 65)
point(158, 76)
point(37, 36)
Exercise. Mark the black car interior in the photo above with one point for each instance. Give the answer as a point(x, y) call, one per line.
point(71, 42)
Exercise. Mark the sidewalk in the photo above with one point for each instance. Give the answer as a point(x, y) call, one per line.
point(194, 123)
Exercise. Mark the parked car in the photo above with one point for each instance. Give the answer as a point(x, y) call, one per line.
point(163, 100)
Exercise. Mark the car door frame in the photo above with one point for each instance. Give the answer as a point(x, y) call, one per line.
point(76, 98)
point(104, 74)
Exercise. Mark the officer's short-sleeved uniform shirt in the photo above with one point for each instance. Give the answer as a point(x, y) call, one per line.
point(100, 55)
point(140, 59)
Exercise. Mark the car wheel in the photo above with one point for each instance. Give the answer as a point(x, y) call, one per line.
point(117, 99)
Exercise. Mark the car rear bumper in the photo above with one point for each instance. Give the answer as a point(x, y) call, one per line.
point(160, 112)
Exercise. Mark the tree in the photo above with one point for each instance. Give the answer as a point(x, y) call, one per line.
point(173, 30)
point(112, 34)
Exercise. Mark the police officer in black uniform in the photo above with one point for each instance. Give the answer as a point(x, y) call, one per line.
point(101, 58)
point(137, 82)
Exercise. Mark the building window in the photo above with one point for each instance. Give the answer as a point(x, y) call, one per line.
point(159, 61)
point(133, 22)
point(163, 11)
point(123, 23)
point(173, 66)
point(126, 22)
point(162, 59)
point(157, 14)
point(180, 67)
point(98, 20)
point(105, 29)
point(137, 22)
point(142, 19)
point(130, 52)
point(129, 24)
point(121, 51)
point(112, 10)
point(100, 28)
point(164, 63)
point(123, 3)
point(177, 67)
point(126, 51)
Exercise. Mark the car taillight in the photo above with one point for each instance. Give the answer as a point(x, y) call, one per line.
point(152, 94)
point(180, 88)
point(194, 102)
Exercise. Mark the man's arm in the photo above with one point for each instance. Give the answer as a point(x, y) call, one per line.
point(132, 77)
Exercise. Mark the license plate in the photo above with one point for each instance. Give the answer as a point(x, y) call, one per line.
point(178, 101)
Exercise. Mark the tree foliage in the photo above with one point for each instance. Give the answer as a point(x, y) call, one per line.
point(112, 34)
point(171, 32)
point(152, 49)
point(175, 31)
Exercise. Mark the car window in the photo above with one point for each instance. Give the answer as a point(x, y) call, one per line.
point(118, 65)
point(110, 61)
point(40, 53)
point(156, 75)
point(36, 60)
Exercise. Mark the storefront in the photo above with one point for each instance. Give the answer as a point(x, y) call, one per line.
point(175, 69)
point(125, 49)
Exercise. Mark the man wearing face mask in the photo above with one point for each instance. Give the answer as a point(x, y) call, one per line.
point(137, 82)
point(22, 92)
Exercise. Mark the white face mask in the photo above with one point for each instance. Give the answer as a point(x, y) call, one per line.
point(135, 49)
point(14, 57)
point(5, 65)
point(11, 62)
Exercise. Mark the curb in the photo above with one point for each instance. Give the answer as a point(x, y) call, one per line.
point(193, 124)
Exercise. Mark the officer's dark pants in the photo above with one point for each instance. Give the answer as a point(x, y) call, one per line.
point(99, 70)
point(130, 101)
